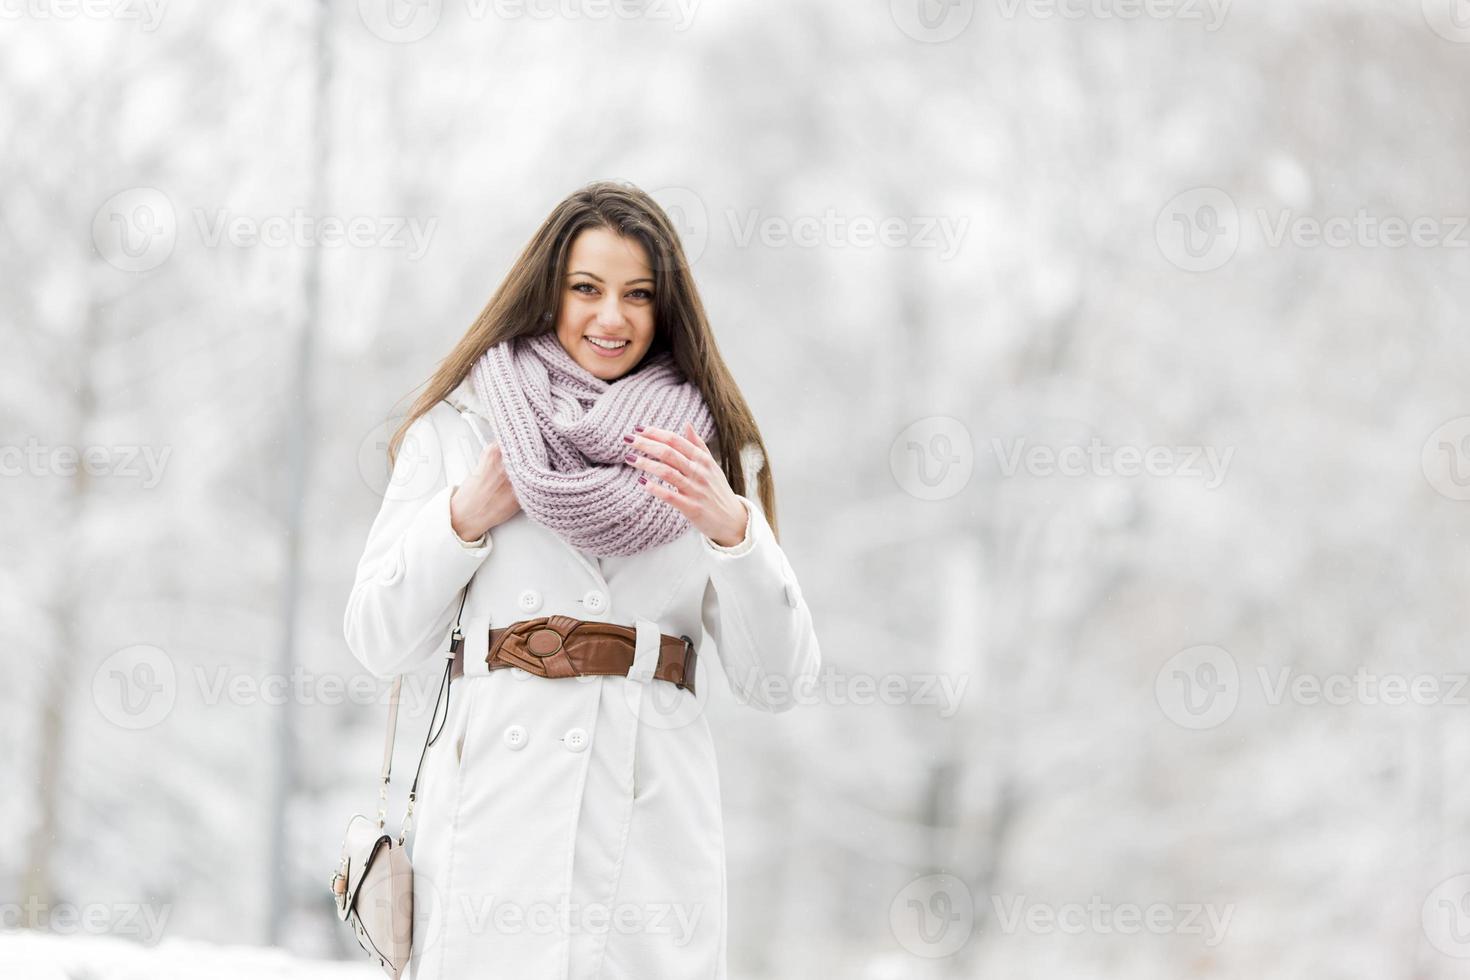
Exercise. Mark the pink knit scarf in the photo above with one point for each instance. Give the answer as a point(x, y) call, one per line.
point(561, 432)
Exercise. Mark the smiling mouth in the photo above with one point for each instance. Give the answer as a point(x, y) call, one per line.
point(607, 348)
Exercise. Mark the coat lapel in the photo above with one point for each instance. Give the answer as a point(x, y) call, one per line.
point(466, 401)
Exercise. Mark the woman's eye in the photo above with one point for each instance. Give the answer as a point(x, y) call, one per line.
point(642, 293)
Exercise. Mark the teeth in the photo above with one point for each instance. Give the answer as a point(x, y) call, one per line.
point(608, 344)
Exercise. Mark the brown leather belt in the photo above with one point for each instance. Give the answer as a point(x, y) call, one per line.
point(563, 646)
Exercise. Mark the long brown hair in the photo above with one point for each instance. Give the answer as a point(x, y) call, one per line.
point(528, 302)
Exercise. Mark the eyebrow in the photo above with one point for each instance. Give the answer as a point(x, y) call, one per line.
point(599, 278)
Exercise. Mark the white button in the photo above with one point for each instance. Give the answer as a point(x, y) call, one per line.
point(515, 736)
point(575, 739)
point(529, 600)
point(792, 594)
point(594, 601)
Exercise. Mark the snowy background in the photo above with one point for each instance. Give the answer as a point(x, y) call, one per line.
point(1112, 357)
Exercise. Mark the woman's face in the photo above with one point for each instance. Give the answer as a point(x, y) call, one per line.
point(607, 295)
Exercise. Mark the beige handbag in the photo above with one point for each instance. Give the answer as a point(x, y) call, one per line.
point(373, 884)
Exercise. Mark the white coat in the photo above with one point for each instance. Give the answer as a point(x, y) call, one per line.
point(567, 828)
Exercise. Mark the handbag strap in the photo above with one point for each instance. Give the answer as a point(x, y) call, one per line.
point(456, 645)
point(456, 648)
point(398, 686)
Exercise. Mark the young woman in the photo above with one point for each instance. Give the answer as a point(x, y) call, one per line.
point(574, 461)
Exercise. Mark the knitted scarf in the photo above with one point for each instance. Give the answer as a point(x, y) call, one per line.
point(561, 433)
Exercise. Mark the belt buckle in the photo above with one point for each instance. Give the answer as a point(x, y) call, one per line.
point(535, 642)
point(516, 649)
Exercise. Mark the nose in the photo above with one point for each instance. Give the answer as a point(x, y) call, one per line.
point(609, 314)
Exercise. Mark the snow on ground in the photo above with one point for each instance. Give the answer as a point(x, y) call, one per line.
point(26, 955)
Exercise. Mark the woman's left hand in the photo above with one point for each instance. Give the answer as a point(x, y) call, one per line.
point(697, 485)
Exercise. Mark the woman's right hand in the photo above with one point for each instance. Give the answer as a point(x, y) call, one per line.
point(485, 499)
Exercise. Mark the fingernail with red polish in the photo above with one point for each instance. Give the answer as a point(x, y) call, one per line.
point(643, 479)
point(637, 428)
point(627, 438)
point(631, 458)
